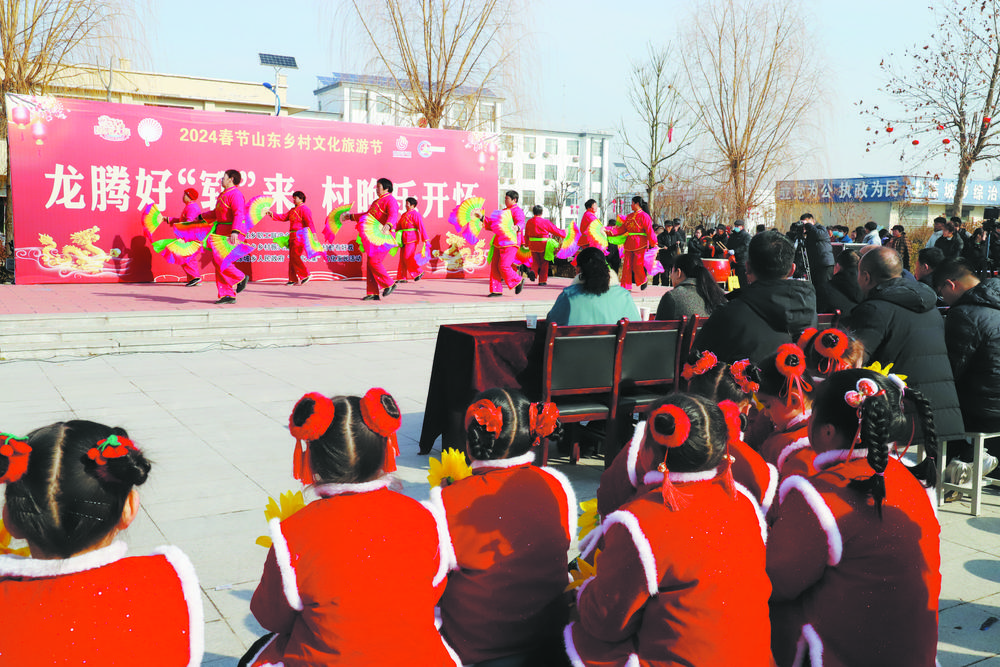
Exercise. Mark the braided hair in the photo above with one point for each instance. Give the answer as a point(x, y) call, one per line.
point(514, 437)
point(66, 501)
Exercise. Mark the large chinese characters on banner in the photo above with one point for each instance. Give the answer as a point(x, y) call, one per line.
point(83, 171)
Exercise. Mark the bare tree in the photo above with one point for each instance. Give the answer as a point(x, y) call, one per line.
point(41, 39)
point(947, 92)
point(751, 77)
point(441, 53)
point(654, 96)
point(561, 191)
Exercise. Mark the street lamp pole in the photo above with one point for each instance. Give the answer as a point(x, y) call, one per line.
point(277, 99)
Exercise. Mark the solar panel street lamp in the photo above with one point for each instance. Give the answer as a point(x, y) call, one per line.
point(278, 63)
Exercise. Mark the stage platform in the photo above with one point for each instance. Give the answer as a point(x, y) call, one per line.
point(75, 320)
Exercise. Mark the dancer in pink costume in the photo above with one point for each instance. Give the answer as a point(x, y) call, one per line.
point(230, 216)
point(191, 212)
point(506, 240)
point(385, 209)
point(299, 217)
point(638, 229)
point(411, 224)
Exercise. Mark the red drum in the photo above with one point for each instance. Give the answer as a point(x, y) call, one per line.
point(719, 268)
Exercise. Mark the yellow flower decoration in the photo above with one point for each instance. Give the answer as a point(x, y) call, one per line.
point(583, 572)
point(877, 367)
point(451, 468)
point(287, 504)
point(589, 519)
point(5, 538)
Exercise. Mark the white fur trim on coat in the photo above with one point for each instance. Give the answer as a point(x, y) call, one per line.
point(756, 508)
point(592, 539)
point(448, 559)
point(772, 488)
point(798, 419)
point(579, 590)
point(283, 555)
point(570, 498)
point(835, 456)
point(192, 596)
point(25, 567)
point(834, 541)
point(811, 639)
point(633, 660)
point(656, 477)
point(571, 652)
point(634, 445)
point(801, 443)
point(328, 490)
point(512, 462)
point(642, 546)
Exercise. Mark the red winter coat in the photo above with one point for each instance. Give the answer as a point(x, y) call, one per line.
point(684, 587)
point(855, 589)
point(101, 608)
point(511, 524)
point(352, 579)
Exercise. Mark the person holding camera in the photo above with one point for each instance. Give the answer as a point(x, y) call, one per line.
point(819, 250)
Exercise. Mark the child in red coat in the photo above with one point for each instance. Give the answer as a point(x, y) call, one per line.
point(71, 488)
point(352, 578)
point(511, 524)
point(854, 554)
point(680, 579)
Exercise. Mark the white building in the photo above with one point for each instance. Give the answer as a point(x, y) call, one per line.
point(559, 170)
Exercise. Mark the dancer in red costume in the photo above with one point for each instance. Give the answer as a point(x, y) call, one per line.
point(638, 228)
point(538, 231)
point(854, 556)
point(587, 239)
point(191, 212)
point(299, 217)
point(71, 488)
point(411, 224)
point(511, 524)
point(385, 209)
point(680, 578)
point(505, 245)
point(353, 577)
point(230, 216)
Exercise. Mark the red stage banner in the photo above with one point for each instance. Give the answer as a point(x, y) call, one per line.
point(82, 172)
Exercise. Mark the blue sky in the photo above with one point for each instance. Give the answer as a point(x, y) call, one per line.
point(587, 49)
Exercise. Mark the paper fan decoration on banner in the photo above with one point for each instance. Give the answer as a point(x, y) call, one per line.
point(150, 130)
point(466, 224)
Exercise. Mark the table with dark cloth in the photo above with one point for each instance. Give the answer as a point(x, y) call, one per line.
point(470, 358)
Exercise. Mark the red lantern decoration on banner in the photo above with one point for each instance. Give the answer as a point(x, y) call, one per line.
point(946, 141)
point(21, 116)
point(888, 129)
point(915, 142)
point(38, 132)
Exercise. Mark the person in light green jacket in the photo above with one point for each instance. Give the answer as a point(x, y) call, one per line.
point(594, 297)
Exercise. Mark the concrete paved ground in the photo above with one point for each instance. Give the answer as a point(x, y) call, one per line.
point(214, 424)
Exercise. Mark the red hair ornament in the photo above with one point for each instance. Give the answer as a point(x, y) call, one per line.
point(791, 363)
point(706, 362)
point(831, 345)
point(380, 412)
point(112, 447)
point(312, 428)
point(16, 450)
point(672, 498)
point(542, 422)
point(739, 371)
point(734, 428)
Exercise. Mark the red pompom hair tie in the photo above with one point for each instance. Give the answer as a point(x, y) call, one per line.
point(16, 450)
point(740, 372)
point(672, 498)
point(486, 415)
point(806, 336)
point(312, 428)
point(792, 364)
point(381, 414)
point(734, 424)
point(832, 344)
point(543, 418)
point(112, 447)
point(706, 362)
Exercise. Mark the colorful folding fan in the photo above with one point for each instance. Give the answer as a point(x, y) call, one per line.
point(465, 223)
point(650, 262)
point(257, 208)
point(373, 237)
point(504, 227)
point(422, 253)
point(335, 221)
point(151, 220)
point(177, 251)
point(226, 253)
point(196, 230)
point(571, 244)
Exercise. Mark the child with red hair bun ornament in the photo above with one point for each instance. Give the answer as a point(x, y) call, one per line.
point(353, 577)
point(854, 556)
point(732, 387)
point(70, 490)
point(680, 578)
point(511, 524)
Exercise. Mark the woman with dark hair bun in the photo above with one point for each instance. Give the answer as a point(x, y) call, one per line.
point(594, 296)
point(695, 291)
point(70, 491)
point(854, 556)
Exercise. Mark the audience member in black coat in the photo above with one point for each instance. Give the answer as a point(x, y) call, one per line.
point(841, 292)
point(739, 244)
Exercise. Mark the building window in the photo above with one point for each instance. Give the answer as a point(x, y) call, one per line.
point(383, 104)
point(596, 148)
point(527, 199)
point(573, 146)
point(506, 142)
point(550, 199)
point(572, 174)
point(551, 172)
point(552, 146)
point(529, 171)
point(359, 101)
point(488, 114)
point(571, 198)
point(506, 170)
point(595, 174)
point(529, 144)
